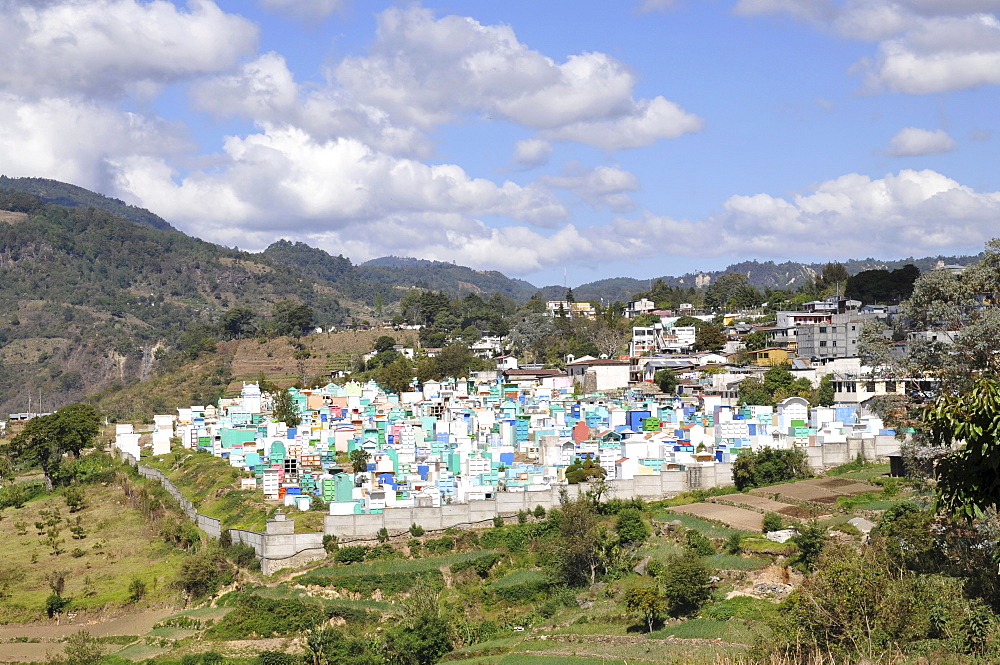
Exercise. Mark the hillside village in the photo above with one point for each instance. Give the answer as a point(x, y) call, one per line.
point(524, 428)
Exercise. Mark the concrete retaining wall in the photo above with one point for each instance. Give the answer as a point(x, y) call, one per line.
point(508, 504)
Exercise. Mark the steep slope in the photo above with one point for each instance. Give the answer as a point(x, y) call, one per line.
point(61, 193)
point(88, 299)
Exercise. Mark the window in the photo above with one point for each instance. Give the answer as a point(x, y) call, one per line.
point(854, 327)
point(833, 329)
point(822, 329)
point(822, 343)
point(869, 386)
point(890, 386)
point(834, 343)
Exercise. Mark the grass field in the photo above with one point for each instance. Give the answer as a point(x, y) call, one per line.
point(118, 546)
point(704, 526)
point(387, 566)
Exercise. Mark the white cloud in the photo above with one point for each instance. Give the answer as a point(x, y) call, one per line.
point(912, 142)
point(78, 141)
point(532, 152)
point(104, 48)
point(265, 91)
point(283, 180)
point(601, 187)
point(924, 46)
point(654, 119)
point(912, 212)
point(425, 72)
point(305, 9)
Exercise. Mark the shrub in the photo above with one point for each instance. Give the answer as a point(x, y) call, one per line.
point(203, 573)
point(416, 530)
point(481, 564)
point(685, 583)
point(768, 466)
point(383, 535)
point(698, 543)
point(772, 522)
point(266, 617)
point(497, 521)
point(441, 545)
point(539, 512)
point(522, 516)
point(351, 554)
point(330, 543)
point(74, 499)
point(732, 544)
point(136, 590)
point(811, 539)
point(630, 526)
point(55, 604)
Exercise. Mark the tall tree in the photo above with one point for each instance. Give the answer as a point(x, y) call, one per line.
point(46, 439)
point(283, 409)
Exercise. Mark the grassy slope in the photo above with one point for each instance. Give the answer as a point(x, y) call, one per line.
point(119, 546)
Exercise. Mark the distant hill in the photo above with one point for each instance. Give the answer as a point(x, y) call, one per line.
point(453, 279)
point(762, 274)
point(61, 193)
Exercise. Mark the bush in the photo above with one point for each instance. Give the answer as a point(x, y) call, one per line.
point(441, 545)
point(136, 590)
point(811, 540)
point(732, 544)
point(74, 499)
point(539, 512)
point(630, 527)
point(497, 522)
point(55, 604)
point(772, 522)
point(203, 573)
point(383, 535)
point(416, 530)
point(685, 583)
point(266, 617)
point(330, 543)
point(698, 543)
point(768, 466)
point(351, 554)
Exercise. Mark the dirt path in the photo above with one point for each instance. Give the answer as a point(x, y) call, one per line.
point(137, 623)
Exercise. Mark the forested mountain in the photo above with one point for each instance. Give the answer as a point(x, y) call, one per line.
point(88, 298)
point(440, 276)
point(64, 194)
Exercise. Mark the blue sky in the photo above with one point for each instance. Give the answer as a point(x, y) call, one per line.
point(591, 139)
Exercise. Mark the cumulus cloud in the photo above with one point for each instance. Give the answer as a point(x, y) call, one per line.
point(601, 187)
point(654, 119)
point(912, 212)
point(532, 152)
point(427, 71)
point(284, 179)
point(912, 142)
point(265, 90)
point(305, 9)
point(77, 141)
point(924, 46)
point(104, 48)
